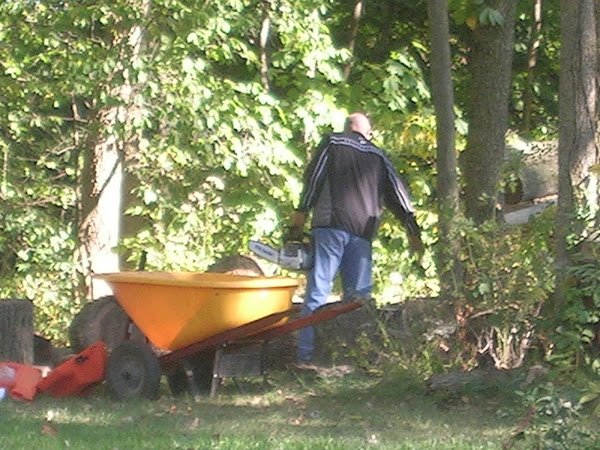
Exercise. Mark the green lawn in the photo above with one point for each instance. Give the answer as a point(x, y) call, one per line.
point(296, 410)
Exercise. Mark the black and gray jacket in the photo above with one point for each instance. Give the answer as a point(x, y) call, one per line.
point(348, 183)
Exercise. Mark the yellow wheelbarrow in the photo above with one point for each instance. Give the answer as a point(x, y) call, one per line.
point(187, 318)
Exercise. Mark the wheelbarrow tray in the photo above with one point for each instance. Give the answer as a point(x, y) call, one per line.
point(176, 309)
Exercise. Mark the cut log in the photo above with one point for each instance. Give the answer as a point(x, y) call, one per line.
point(485, 378)
point(86, 327)
point(16, 331)
point(102, 320)
point(477, 379)
point(538, 173)
point(236, 265)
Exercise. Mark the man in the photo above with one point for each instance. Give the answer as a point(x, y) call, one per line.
point(346, 186)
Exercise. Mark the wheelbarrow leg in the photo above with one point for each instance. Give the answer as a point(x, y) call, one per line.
point(235, 360)
point(216, 379)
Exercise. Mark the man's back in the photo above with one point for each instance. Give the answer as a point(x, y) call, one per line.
point(349, 181)
point(346, 185)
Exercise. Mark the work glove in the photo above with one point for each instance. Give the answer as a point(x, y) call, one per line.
point(293, 233)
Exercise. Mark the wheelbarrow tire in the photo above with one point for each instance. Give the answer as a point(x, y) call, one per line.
point(132, 371)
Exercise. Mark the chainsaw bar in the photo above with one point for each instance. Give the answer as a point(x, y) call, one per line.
point(295, 256)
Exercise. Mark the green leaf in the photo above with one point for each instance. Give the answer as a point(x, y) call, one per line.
point(589, 397)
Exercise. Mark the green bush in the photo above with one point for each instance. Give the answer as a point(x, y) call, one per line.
point(509, 275)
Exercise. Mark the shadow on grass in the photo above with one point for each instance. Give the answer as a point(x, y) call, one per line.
point(293, 411)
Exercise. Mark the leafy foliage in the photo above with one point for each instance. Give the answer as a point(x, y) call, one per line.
point(509, 275)
point(556, 420)
point(216, 155)
point(217, 158)
point(575, 335)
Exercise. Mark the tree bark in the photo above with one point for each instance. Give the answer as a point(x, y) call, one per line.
point(577, 146)
point(264, 37)
point(132, 224)
point(448, 261)
point(532, 53)
point(16, 331)
point(107, 154)
point(490, 61)
point(356, 15)
point(100, 205)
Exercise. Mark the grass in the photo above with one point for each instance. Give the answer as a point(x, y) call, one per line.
point(296, 410)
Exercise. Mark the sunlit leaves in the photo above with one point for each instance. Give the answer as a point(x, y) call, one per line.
point(475, 13)
point(217, 156)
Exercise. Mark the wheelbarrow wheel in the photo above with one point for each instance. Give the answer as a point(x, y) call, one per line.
point(132, 371)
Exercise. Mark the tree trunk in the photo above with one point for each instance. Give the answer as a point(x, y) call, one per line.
point(100, 208)
point(356, 15)
point(107, 154)
point(490, 61)
point(448, 261)
point(577, 147)
point(16, 331)
point(264, 38)
point(132, 224)
point(532, 53)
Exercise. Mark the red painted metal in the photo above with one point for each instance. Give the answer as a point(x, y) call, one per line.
point(223, 338)
point(320, 315)
point(252, 330)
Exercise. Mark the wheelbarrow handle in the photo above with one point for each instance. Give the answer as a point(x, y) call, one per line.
point(320, 315)
point(225, 337)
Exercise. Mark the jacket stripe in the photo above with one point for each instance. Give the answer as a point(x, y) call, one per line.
point(399, 188)
point(317, 176)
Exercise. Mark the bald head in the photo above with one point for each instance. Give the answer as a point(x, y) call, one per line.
point(360, 123)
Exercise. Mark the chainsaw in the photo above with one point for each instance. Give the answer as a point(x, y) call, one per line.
point(294, 255)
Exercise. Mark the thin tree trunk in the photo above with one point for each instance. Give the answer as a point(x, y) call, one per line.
point(106, 155)
point(357, 13)
point(532, 54)
point(264, 37)
point(132, 224)
point(448, 261)
point(100, 206)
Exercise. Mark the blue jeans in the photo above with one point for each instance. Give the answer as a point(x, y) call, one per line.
point(334, 250)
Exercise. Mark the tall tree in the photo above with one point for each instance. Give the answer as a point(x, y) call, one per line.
point(111, 141)
point(447, 182)
point(356, 15)
point(578, 124)
point(264, 38)
point(490, 64)
point(532, 58)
